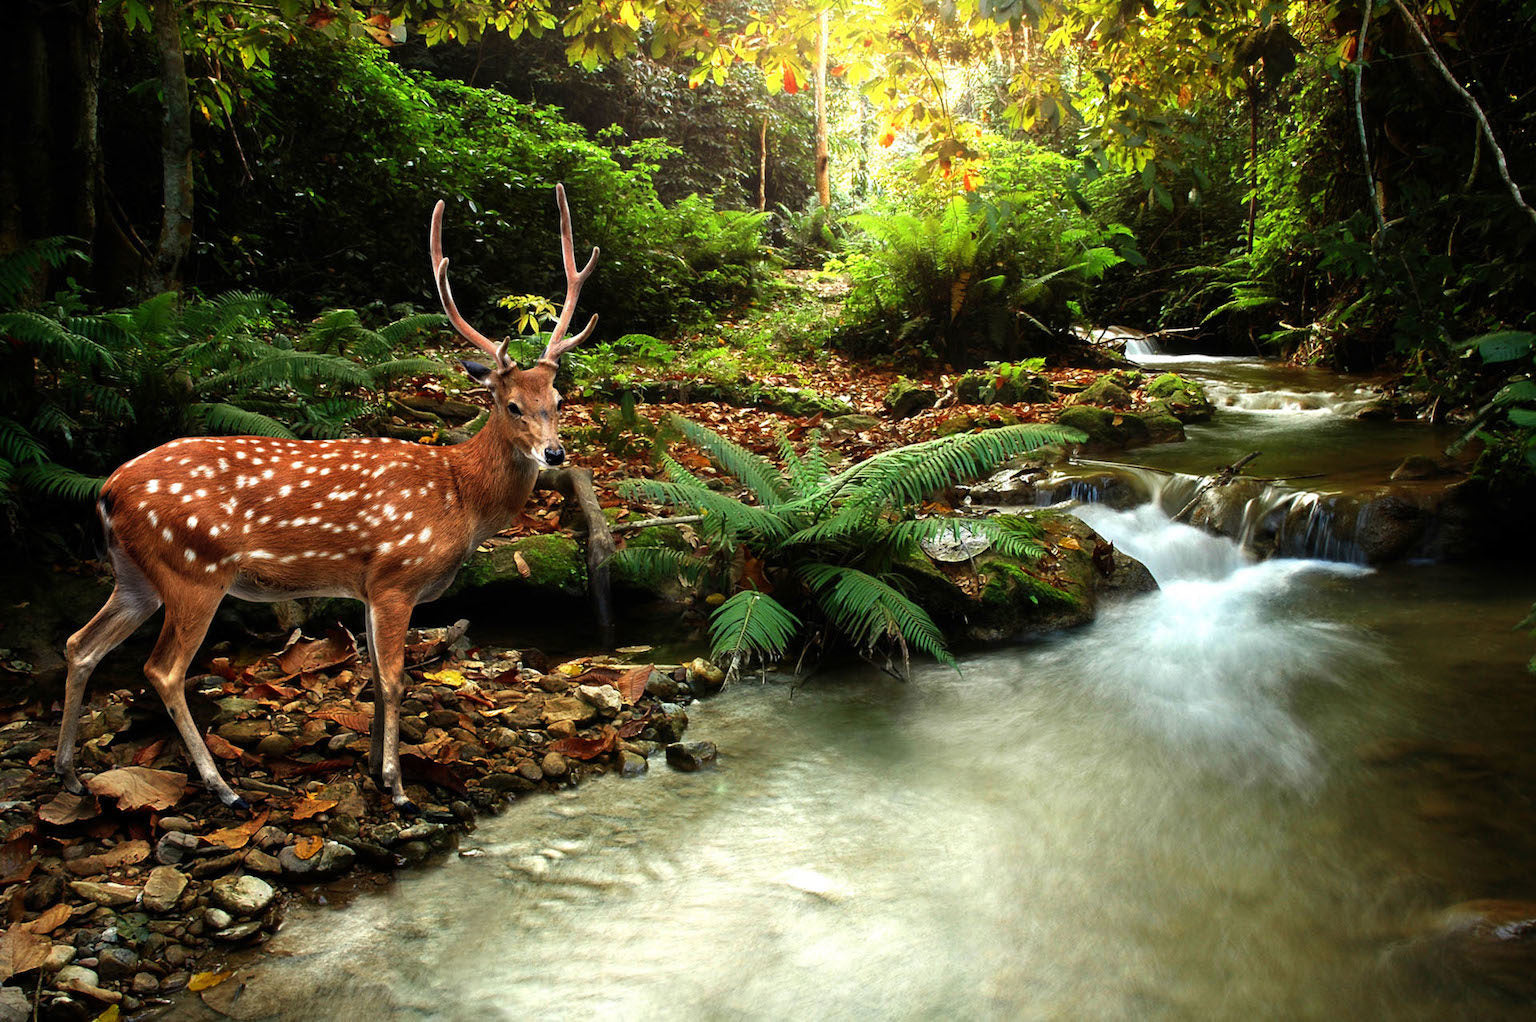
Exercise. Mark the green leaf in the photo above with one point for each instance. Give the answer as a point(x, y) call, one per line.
point(750, 625)
point(1502, 346)
point(870, 611)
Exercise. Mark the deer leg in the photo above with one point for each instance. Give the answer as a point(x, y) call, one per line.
point(376, 732)
point(186, 623)
point(130, 605)
point(388, 619)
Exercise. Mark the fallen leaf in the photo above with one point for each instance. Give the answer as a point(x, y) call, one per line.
point(1069, 543)
point(112, 1014)
point(67, 807)
point(223, 668)
point(208, 980)
point(137, 787)
point(630, 728)
point(522, 565)
point(21, 950)
point(41, 756)
point(586, 748)
point(50, 920)
point(312, 806)
point(308, 847)
point(303, 654)
point(572, 669)
point(125, 854)
point(267, 692)
point(148, 754)
point(225, 749)
point(238, 836)
point(634, 650)
point(284, 768)
point(15, 856)
point(352, 720)
point(447, 676)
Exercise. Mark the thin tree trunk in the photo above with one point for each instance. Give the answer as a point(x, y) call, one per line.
point(85, 55)
point(1365, 147)
point(175, 150)
point(823, 169)
point(762, 167)
point(1253, 153)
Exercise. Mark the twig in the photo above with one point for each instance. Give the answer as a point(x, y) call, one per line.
point(1221, 478)
point(1477, 110)
point(646, 523)
point(1365, 148)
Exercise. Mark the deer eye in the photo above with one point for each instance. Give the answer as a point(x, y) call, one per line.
point(512, 407)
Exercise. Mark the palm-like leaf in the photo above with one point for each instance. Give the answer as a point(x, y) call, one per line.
point(906, 538)
point(724, 515)
point(231, 419)
point(652, 566)
point(753, 471)
point(52, 480)
point(750, 625)
point(869, 611)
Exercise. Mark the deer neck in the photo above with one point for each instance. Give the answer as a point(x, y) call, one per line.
point(493, 478)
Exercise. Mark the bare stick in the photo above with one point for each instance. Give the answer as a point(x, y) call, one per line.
point(1365, 148)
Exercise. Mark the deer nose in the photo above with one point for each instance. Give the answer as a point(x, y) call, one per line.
point(554, 455)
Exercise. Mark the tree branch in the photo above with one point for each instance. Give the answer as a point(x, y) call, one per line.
point(1477, 110)
point(1365, 148)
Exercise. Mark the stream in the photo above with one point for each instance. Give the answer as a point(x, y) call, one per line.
point(1250, 793)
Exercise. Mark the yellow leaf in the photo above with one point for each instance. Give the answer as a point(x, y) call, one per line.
point(207, 980)
point(447, 676)
point(715, 599)
point(1070, 543)
point(307, 847)
point(572, 669)
point(110, 1015)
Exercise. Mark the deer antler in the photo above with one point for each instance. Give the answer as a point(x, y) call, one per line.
point(558, 343)
point(445, 295)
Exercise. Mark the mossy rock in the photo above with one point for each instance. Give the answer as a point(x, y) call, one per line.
point(964, 422)
point(1063, 589)
point(800, 402)
point(556, 565)
point(1105, 392)
point(1182, 398)
point(1113, 428)
point(847, 425)
point(906, 398)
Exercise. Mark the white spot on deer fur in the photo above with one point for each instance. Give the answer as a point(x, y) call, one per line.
point(175, 487)
point(407, 538)
point(260, 555)
point(240, 455)
point(211, 568)
point(223, 464)
point(189, 554)
point(256, 461)
point(201, 494)
point(324, 471)
point(183, 461)
point(305, 483)
point(288, 558)
point(426, 533)
point(284, 490)
point(186, 498)
point(192, 522)
point(166, 535)
point(229, 506)
point(266, 473)
point(153, 486)
point(154, 519)
point(385, 548)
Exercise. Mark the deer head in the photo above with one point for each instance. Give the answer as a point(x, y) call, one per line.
point(525, 400)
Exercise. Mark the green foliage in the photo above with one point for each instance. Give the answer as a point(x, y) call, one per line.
point(1001, 274)
point(830, 541)
point(357, 151)
point(1506, 423)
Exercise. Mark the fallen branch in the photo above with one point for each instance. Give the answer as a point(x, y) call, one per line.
point(646, 523)
point(1221, 478)
point(576, 484)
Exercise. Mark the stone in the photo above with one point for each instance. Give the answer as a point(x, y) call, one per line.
point(554, 765)
point(568, 708)
point(163, 889)
point(274, 746)
point(116, 963)
point(270, 837)
point(432, 833)
point(15, 1006)
point(244, 896)
point(1184, 399)
point(59, 956)
point(76, 976)
point(175, 981)
point(632, 764)
point(217, 919)
point(530, 770)
point(1105, 393)
point(671, 724)
point(506, 782)
point(661, 686)
point(1418, 466)
point(108, 894)
point(245, 733)
point(176, 847)
point(332, 859)
point(1492, 940)
point(238, 932)
point(258, 861)
point(705, 676)
point(146, 984)
point(218, 865)
point(603, 698)
point(177, 823)
point(905, 398)
point(177, 955)
point(562, 729)
point(502, 738)
point(690, 756)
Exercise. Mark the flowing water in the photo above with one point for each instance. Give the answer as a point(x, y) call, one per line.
point(1245, 795)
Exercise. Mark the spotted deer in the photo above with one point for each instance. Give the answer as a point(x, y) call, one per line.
point(386, 522)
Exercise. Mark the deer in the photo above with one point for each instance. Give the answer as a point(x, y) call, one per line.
point(387, 522)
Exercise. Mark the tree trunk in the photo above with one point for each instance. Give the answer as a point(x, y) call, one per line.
point(762, 167)
point(1253, 153)
point(175, 150)
point(823, 170)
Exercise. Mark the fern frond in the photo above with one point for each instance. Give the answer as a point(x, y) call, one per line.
point(51, 480)
point(906, 539)
point(398, 368)
point(55, 342)
point(19, 269)
point(806, 471)
point(901, 478)
point(750, 625)
point(653, 566)
point(753, 471)
point(869, 610)
point(233, 420)
point(405, 329)
point(280, 366)
point(19, 446)
point(722, 514)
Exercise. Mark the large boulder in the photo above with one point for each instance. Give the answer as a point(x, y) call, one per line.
point(1112, 429)
point(1184, 399)
point(906, 398)
point(992, 597)
point(551, 563)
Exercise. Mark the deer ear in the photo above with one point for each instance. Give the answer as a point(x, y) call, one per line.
point(481, 374)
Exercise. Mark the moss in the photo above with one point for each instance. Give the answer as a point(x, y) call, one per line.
point(1105, 392)
point(1004, 384)
point(1184, 399)
point(1010, 586)
point(555, 562)
point(964, 422)
point(1163, 429)
point(799, 401)
point(906, 397)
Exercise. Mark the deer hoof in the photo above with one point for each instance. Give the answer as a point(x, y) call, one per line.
point(235, 802)
point(405, 806)
point(71, 783)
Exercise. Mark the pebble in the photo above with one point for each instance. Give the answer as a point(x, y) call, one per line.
point(243, 896)
point(146, 983)
point(270, 837)
point(15, 1006)
point(163, 889)
point(174, 982)
point(605, 699)
point(258, 861)
point(117, 963)
point(690, 756)
point(176, 847)
point(239, 932)
point(108, 894)
point(332, 858)
point(59, 956)
point(554, 765)
point(179, 824)
point(632, 764)
point(76, 975)
point(529, 769)
point(217, 919)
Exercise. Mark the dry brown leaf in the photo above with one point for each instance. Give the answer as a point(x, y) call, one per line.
point(522, 565)
point(50, 920)
point(303, 655)
point(308, 847)
point(586, 748)
point(1069, 543)
point(312, 806)
point(238, 836)
point(21, 950)
point(352, 720)
point(208, 980)
point(124, 854)
point(148, 754)
point(15, 856)
point(137, 787)
point(225, 749)
point(66, 807)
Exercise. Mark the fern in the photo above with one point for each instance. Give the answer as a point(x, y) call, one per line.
point(233, 420)
point(750, 625)
point(652, 567)
point(750, 469)
point(870, 611)
point(18, 446)
point(50, 480)
point(19, 270)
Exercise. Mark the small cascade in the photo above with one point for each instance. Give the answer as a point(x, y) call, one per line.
point(1343, 403)
point(1142, 347)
